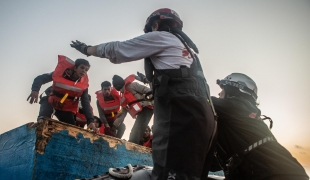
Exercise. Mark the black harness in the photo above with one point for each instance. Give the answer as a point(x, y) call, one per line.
point(229, 166)
point(162, 76)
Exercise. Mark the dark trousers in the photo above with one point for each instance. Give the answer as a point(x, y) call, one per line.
point(183, 130)
point(46, 109)
point(65, 116)
point(138, 129)
point(120, 130)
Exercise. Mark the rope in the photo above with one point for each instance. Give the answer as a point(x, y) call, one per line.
point(113, 172)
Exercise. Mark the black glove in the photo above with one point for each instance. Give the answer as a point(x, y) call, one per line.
point(82, 47)
point(143, 78)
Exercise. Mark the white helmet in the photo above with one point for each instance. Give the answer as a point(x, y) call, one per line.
point(243, 82)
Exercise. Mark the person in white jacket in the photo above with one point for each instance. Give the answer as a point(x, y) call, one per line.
point(184, 120)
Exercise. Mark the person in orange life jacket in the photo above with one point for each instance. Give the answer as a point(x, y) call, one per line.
point(80, 119)
point(181, 94)
point(70, 82)
point(246, 148)
point(46, 110)
point(142, 111)
point(147, 138)
point(108, 104)
point(99, 125)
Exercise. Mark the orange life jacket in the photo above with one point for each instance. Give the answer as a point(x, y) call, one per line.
point(148, 143)
point(63, 86)
point(81, 119)
point(110, 108)
point(127, 98)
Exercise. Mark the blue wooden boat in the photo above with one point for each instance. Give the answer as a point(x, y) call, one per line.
point(52, 150)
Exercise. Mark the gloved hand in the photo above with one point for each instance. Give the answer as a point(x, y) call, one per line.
point(143, 78)
point(82, 47)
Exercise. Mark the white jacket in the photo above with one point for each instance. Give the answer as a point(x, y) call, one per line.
point(165, 50)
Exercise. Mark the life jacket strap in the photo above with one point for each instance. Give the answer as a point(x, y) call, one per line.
point(60, 95)
point(234, 161)
point(110, 114)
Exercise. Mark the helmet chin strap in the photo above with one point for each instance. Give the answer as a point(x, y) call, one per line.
point(178, 31)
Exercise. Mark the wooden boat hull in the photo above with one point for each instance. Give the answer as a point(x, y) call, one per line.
point(55, 150)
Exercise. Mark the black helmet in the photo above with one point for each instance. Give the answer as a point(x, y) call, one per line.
point(165, 14)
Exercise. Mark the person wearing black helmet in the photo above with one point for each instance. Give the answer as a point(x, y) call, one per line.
point(246, 148)
point(184, 121)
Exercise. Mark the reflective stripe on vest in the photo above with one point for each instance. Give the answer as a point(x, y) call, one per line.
point(123, 99)
point(110, 108)
point(258, 143)
point(70, 61)
point(68, 87)
point(127, 97)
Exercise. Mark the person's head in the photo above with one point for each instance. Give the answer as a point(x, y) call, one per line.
point(81, 66)
point(238, 85)
point(147, 132)
point(163, 17)
point(97, 122)
point(106, 88)
point(118, 82)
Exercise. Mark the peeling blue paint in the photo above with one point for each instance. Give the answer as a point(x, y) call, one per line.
point(17, 153)
point(79, 158)
point(65, 156)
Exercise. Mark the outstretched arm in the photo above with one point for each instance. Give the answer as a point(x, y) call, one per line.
point(124, 51)
point(36, 86)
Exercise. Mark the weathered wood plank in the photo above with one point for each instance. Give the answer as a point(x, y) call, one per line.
point(55, 150)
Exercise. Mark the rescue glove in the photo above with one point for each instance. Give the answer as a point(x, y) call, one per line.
point(143, 78)
point(80, 46)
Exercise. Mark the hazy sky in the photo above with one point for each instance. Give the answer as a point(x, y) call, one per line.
point(267, 40)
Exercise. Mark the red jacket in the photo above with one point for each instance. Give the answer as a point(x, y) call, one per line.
point(148, 143)
point(81, 119)
point(101, 129)
point(127, 98)
point(109, 107)
point(63, 86)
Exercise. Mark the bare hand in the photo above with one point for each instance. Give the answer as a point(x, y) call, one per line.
point(34, 95)
point(92, 126)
